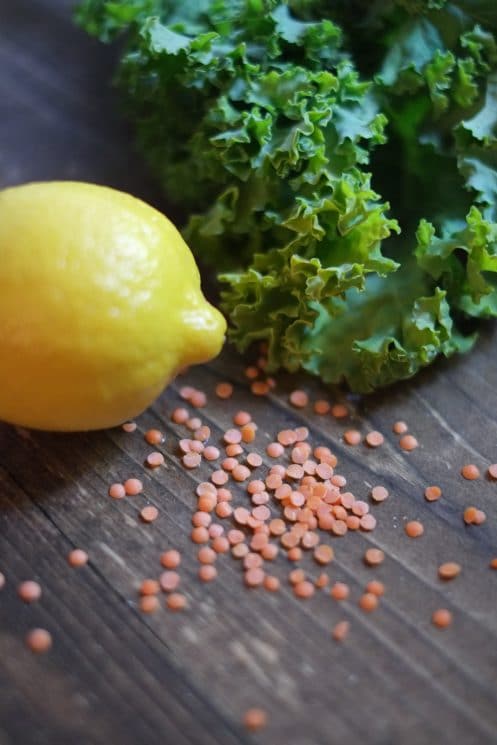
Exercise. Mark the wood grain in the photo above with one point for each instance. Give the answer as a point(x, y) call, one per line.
point(174, 679)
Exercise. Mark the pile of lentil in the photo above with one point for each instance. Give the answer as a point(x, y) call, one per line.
point(267, 508)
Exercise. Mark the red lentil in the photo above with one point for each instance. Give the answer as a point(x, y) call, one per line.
point(304, 589)
point(149, 587)
point(373, 557)
point(241, 418)
point(375, 587)
point(271, 583)
point(254, 719)
point(234, 450)
point(29, 591)
point(200, 534)
point(202, 434)
point(207, 572)
point(480, 517)
point(149, 513)
point(176, 601)
point(77, 558)
point(251, 372)
point(374, 439)
point(260, 388)
point(470, 472)
point(449, 570)
point(39, 640)
point(432, 493)
point(239, 550)
point(269, 551)
point(215, 530)
point(169, 580)
point(323, 554)
point(254, 460)
point(240, 473)
point(414, 529)
point(248, 432)
point(254, 577)
point(155, 460)
point(367, 522)
point(379, 493)
point(322, 580)
point(339, 411)
point(352, 437)
point(368, 602)
point(442, 618)
point(194, 423)
point(133, 487)
point(191, 460)
point(470, 515)
point(321, 407)
point(220, 544)
point(493, 563)
point(294, 554)
point(400, 428)
point(128, 426)
point(492, 471)
point(340, 591)
point(180, 415)
point(299, 399)
point(117, 491)
point(219, 477)
point(340, 631)
point(224, 390)
point(154, 437)
point(170, 559)
point(408, 443)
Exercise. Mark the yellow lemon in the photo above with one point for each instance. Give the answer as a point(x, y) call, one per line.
point(100, 306)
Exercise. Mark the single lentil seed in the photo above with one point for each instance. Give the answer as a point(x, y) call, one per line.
point(352, 437)
point(368, 602)
point(149, 604)
point(39, 640)
point(408, 443)
point(154, 437)
point(400, 428)
point(449, 570)
point(469, 515)
point(271, 583)
point(340, 591)
point(191, 460)
point(339, 411)
point(149, 513)
point(492, 471)
point(373, 557)
point(254, 719)
point(176, 601)
point(208, 572)
point(169, 580)
point(77, 558)
point(379, 493)
point(155, 460)
point(432, 493)
point(304, 589)
point(470, 472)
point(375, 587)
point(128, 426)
point(170, 559)
point(224, 390)
point(414, 529)
point(374, 439)
point(340, 631)
point(29, 591)
point(323, 554)
point(117, 491)
point(442, 618)
point(200, 534)
point(254, 577)
point(299, 399)
point(133, 487)
point(149, 587)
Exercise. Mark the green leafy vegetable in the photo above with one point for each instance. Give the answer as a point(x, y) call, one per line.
point(341, 174)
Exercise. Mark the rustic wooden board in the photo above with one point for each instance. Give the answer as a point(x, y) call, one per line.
point(169, 679)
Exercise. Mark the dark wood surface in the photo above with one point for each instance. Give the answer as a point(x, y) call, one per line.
point(186, 679)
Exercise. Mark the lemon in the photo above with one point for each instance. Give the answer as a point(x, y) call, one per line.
point(100, 306)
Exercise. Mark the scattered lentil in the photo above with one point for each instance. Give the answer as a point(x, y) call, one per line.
point(408, 443)
point(374, 439)
point(433, 493)
point(208, 572)
point(299, 399)
point(133, 487)
point(154, 437)
point(373, 557)
point(340, 591)
point(224, 390)
point(149, 513)
point(340, 631)
point(155, 459)
point(117, 491)
point(414, 529)
point(352, 437)
point(470, 472)
point(176, 601)
point(29, 591)
point(375, 587)
point(442, 618)
point(39, 640)
point(170, 559)
point(379, 493)
point(449, 570)
point(400, 428)
point(368, 602)
point(77, 558)
point(255, 719)
point(149, 604)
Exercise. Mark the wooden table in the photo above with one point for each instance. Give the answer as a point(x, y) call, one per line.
point(186, 679)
